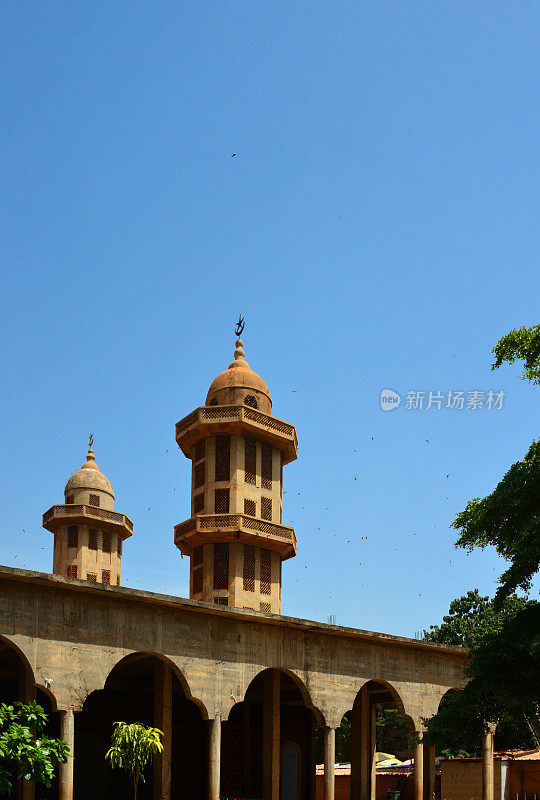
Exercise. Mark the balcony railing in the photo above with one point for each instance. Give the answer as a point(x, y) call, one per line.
point(74, 510)
point(202, 523)
point(205, 413)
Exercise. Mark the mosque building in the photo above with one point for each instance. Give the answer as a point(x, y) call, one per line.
point(237, 688)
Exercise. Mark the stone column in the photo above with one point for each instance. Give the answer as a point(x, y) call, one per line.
point(356, 750)
point(214, 757)
point(163, 721)
point(329, 762)
point(271, 735)
point(418, 769)
point(487, 764)
point(67, 733)
point(367, 747)
point(429, 771)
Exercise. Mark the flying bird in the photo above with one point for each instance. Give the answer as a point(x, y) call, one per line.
point(233, 155)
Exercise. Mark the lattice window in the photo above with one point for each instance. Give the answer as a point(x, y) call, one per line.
point(266, 466)
point(71, 572)
point(266, 572)
point(221, 565)
point(266, 508)
point(198, 476)
point(106, 577)
point(249, 568)
point(222, 501)
point(197, 580)
point(199, 450)
point(223, 458)
point(118, 580)
point(73, 536)
point(69, 499)
point(198, 503)
point(197, 555)
point(250, 461)
point(91, 576)
point(94, 500)
point(265, 608)
point(92, 539)
point(106, 542)
point(119, 547)
point(250, 507)
point(213, 402)
point(251, 401)
point(221, 601)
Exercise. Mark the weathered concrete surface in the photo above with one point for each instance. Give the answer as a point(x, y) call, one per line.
point(73, 633)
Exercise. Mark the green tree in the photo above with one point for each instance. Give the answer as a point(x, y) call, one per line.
point(25, 750)
point(504, 661)
point(132, 747)
point(523, 344)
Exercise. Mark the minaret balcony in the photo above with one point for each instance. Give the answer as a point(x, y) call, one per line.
point(59, 515)
point(205, 528)
point(211, 420)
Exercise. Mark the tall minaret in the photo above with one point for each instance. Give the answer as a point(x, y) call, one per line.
point(235, 538)
point(88, 533)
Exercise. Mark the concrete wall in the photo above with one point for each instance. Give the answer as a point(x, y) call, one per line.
point(461, 779)
point(74, 632)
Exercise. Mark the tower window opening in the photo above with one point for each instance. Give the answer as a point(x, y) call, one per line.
point(250, 508)
point(266, 572)
point(221, 504)
point(266, 466)
point(250, 461)
point(119, 547)
point(92, 539)
point(213, 402)
point(91, 576)
point(73, 536)
point(198, 477)
point(221, 601)
point(197, 555)
point(197, 581)
point(251, 401)
point(71, 571)
point(265, 608)
point(94, 500)
point(266, 508)
point(118, 580)
point(223, 458)
point(198, 503)
point(221, 565)
point(199, 451)
point(106, 577)
point(106, 542)
point(69, 500)
point(249, 568)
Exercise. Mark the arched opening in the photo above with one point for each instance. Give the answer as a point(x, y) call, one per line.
point(257, 738)
point(141, 688)
point(251, 400)
point(374, 744)
point(17, 684)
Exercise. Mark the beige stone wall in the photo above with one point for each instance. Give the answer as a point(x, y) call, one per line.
point(85, 560)
point(74, 633)
point(461, 779)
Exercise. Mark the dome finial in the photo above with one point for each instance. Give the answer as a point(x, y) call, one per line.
point(90, 456)
point(239, 327)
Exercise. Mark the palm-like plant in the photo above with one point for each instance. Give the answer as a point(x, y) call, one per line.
point(132, 747)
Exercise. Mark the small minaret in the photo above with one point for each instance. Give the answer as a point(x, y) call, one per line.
point(88, 533)
point(235, 537)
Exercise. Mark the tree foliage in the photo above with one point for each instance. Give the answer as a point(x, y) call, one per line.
point(522, 344)
point(25, 750)
point(508, 519)
point(132, 747)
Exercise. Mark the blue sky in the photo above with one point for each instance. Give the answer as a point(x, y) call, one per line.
point(377, 227)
